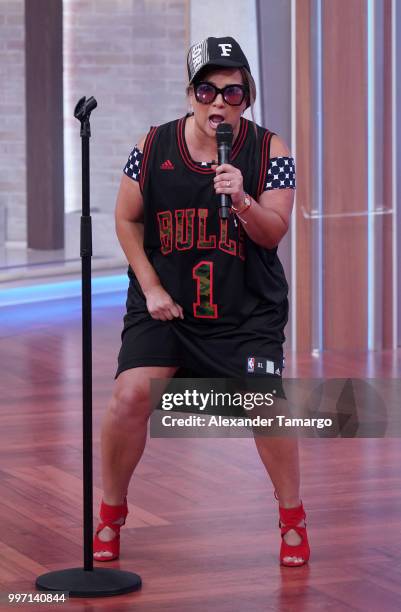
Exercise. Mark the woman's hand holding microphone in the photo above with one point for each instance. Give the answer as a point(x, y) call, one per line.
point(229, 180)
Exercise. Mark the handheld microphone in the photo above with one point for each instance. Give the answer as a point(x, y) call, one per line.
point(224, 137)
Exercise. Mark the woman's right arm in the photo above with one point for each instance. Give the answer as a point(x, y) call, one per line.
point(130, 231)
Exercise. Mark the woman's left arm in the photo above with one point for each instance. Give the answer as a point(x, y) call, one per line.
point(266, 221)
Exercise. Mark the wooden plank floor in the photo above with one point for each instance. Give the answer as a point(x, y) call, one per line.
point(202, 529)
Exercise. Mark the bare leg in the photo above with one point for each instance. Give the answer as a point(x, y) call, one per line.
point(280, 457)
point(124, 432)
point(281, 460)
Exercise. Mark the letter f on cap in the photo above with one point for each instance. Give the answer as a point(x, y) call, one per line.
point(225, 49)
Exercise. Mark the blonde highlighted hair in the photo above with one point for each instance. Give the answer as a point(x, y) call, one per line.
point(250, 83)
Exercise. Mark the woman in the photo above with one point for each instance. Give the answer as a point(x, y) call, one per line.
point(205, 293)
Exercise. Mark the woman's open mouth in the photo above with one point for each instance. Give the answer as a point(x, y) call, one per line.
point(214, 121)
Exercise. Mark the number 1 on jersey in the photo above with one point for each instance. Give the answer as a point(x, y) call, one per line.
point(203, 307)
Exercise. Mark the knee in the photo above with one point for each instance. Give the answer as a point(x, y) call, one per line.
point(130, 402)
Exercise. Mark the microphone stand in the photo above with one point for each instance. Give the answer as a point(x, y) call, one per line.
point(87, 581)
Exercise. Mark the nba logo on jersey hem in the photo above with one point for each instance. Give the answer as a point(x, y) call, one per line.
point(262, 366)
point(251, 364)
point(167, 165)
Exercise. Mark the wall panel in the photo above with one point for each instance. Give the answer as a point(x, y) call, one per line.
point(304, 127)
point(275, 92)
point(345, 171)
point(388, 220)
point(44, 123)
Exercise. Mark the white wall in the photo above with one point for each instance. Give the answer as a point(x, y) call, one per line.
point(12, 122)
point(131, 57)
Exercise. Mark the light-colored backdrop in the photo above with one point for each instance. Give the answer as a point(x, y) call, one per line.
point(328, 74)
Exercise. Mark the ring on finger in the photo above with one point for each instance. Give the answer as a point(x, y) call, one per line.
point(228, 183)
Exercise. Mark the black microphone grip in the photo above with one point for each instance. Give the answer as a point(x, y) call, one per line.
point(224, 138)
point(223, 153)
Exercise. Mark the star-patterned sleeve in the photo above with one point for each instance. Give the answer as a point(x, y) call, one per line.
point(133, 166)
point(280, 173)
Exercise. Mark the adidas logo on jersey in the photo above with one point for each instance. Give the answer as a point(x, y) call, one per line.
point(167, 165)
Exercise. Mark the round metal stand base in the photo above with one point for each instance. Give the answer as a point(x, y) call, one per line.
point(99, 582)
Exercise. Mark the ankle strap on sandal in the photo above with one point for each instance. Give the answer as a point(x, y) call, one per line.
point(108, 514)
point(292, 516)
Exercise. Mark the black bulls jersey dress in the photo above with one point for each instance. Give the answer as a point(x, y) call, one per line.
point(233, 292)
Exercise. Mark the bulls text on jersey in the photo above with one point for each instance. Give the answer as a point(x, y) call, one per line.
point(188, 229)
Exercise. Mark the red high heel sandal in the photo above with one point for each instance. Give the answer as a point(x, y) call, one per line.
point(289, 519)
point(108, 515)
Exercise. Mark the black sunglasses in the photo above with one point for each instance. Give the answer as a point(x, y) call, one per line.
point(234, 95)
